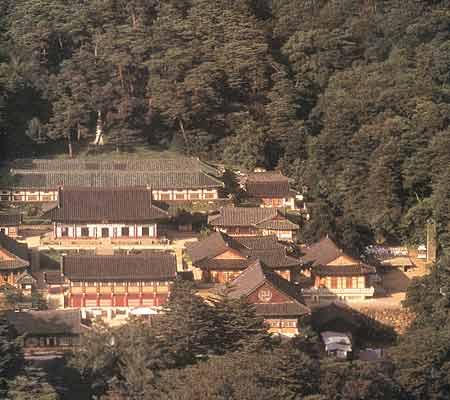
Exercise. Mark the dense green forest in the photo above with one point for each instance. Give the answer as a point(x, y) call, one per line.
point(350, 98)
point(221, 351)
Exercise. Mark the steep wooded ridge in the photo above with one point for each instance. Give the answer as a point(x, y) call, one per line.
point(351, 98)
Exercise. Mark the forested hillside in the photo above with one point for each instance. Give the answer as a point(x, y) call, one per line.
point(351, 98)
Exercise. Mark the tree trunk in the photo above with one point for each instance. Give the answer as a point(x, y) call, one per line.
point(180, 123)
point(99, 131)
point(69, 143)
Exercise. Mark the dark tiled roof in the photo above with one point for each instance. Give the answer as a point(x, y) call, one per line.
point(170, 173)
point(18, 253)
point(265, 248)
point(156, 164)
point(259, 242)
point(214, 244)
point(156, 180)
point(255, 276)
point(156, 266)
point(344, 270)
point(267, 185)
point(10, 219)
point(51, 322)
point(322, 252)
point(279, 224)
point(53, 277)
point(95, 204)
point(248, 281)
point(251, 216)
point(281, 309)
point(224, 265)
point(275, 258)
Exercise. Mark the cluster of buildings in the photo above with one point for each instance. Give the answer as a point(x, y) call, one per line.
point(253, 249)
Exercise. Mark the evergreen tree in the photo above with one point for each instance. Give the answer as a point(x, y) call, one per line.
point(238, 326)
point(187, 329)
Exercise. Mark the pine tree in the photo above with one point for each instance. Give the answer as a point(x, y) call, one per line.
point(237, 324)
point(187, 330)
point(11, 357)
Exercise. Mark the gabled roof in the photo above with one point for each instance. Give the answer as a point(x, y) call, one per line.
point(10, 219)
point(254, 277)
point(327, 259)
point(156, 266)
point(214, 244)
point(271, 184)
point(322, 252)
point(16, 254)
point(266, 248)
point(105, 204)
point(251, 216)
point(50, 322)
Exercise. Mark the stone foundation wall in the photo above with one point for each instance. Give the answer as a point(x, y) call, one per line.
point(397, 318)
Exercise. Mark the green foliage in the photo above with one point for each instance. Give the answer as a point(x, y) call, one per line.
point(238, 327)
point(30, 385)
point(360, 380)
point(268, 375)
point(350, 100)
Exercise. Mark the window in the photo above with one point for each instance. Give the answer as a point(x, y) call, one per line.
point(194, 196)
point(348, 282)
point(84, 232)
point(145, 231)
point(210, 195)
point(289, 324)
point(3, 230)
point(4, 197)
point(125, 231)
point(64, 231)
point(105, 232)
point(180, 196)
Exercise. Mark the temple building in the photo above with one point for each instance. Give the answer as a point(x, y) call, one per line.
point(171, 180)
point(112, 286)
point(92, 213)
point(220, 258)
point(10, 223)
point(51, 332)
point(253, 221)
point(275, 299)
point(336, 275)
point(14, 261)
point(271, 189)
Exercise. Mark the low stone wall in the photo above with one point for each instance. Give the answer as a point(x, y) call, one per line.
point(397, 318)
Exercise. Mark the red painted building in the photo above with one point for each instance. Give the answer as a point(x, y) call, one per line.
point(276, 299)
point(111, 286)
